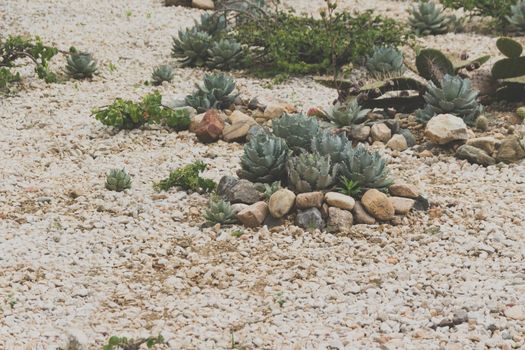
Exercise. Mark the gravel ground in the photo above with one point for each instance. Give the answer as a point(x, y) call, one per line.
point(75, 258)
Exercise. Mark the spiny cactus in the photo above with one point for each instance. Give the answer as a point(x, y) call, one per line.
point(427, 18)
point(517, 17)
point(225, 54)
point(219, 212)
point(455, 96)
point(297, 130)
point(215, 92)
point(118, 180)
point(365, 168)
point(161, 74)
point(347, 114)
point(191, 47)
point(328, 143)
point(311, 172)
point(80, 65)
point(385, 62)
point(264, 159)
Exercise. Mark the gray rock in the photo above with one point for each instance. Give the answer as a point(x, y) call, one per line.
point(380, 132)
point(360, 132)
point(310, 219)
point(421, 204)
point(339, 220)
point(445, 128)
point(177, 2)
point(474, 155)
point(409, 137)
point(402, 205)
point(361, 216)
point(403, 190)
point(243, 192)
point(270, 221)
point(393, 124)
point(225, 185)
point(510, 150)
point(487, 143)
point(238, 207)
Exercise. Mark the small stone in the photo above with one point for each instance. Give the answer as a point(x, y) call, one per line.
point(515, 312)
point(409, 137)
point(339, 220)
point(397, 143)
point(210, 128)
point(225, 185)
point(310, 219)
point(309, 200)
point(195, 122)
point(254, 215)
point(380, 132)
point(474, 155)
point(426, 154)
point(243, 192)
point(421, 204)
point(510, 150)
point(339, 200)
point(239, 128)
point(361, 216)
point(360, 132)
point(281, 202)
point(271, 222)
point(378, 205)
point(403, 190)
point(275, 110)
point(402, 205)
point(445, 128)
point(393, 124)
point(203, 4)
point(482, 123)
point(487, 144)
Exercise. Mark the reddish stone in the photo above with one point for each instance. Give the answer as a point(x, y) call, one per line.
point(210, 128)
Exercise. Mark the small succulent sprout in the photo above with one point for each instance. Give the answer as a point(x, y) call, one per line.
point(161, 74)
point(219, 212)
point(349, 187)
point(118, 180)
point(225, 54)
point(191, 47)
point(297, 130)
point(455, 96)
point(365, 168)
point(80, 65)
point(347, 114)
point(520, 111)
point(270, 189)
point(427, 18)
point(385, 62)
point(311, 172)
point(517, 16)
point(215, 92)
point(328, 143)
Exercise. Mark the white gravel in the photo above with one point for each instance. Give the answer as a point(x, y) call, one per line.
point(138, 263)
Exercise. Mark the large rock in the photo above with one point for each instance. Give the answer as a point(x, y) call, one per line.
point(361, 216)
point(510, 150)
point(243, 192)
point(309, 200)
point(402, 205)
point(239, 128)
point(360, 132)
point(445, 128)
point(486, 143)
point(281, 202)
point(203, 4)
point(378, 205)
point(210, 128)
point(310, 219)
point(254, 215)
point(403, 190)
point(474, 155)
point(225, 185)
point(339, 200)
point(339, 220)
point(397, 143)
point(380, 132)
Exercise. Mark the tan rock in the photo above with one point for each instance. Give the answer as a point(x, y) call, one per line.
point(361, 216)
point(487, 143)
point(378, 205)
point(380, 132)
point(397, 143)
point(339, 220)
point(339, 200)
point(281, 202)
point(254, 215)
point(360, 132)
point(404, 190)
point(309, 200)
point(402, 205)
point(510, 150)
point(445, 128)
point(241, 124)
point(275, 109)
point(203, 4)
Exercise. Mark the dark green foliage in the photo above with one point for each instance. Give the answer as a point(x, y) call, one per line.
point(264, 159)
point(161, 74)
point(286, 43)
point(215, 92)
point(349, 187)
point(297, 130)
point(7, 77)
point(188, 177)
point(509, 47)
point(118, 180)
point(433, 65)
point(191, 47)
point(365, 168)
point(123, 343)
point(514, 65)
point(80, 65)
point(125, 114)
point(219, 212)
point(498, 9)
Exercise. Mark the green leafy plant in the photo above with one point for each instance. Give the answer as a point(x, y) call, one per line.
point(7, 77)
point(123, 343)
point(455, 96)
point(80, 65)
point(311, 172)
point(118, 180)
point(297, 130)
point(188, 178)
point(215, 92)
point(349, 187)
point(385, 62)
point(497, 9)
point(347, 114)
point(264, 159)
point(365, 168)
point(219, 212)
point(427, 18)
point(161, 74)
point(191, 47)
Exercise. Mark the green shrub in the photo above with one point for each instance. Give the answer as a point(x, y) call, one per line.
point(188, 177)
point(498, 9)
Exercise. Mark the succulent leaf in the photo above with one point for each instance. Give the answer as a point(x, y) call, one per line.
point(297, 130)
point(311, 172)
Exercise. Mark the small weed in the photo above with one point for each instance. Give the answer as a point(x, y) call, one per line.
point(124, 343)
point(112, 67)
point(237, 233)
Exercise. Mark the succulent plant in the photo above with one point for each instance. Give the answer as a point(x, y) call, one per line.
point(211, 23)
point(386, 61)
point(191, 47)
point(427, 18)
point(270, 189)
point(225, 54)
point(328, 143)
point(311, 172)
point(297, 130)
point(455, 96)
point(161, 74)
point(215, 92)
point(347, 114)
point(81, 65)
point(517, 16)
point(118, 180)
point(365, 168)
point(219, 212)
point(264, 159)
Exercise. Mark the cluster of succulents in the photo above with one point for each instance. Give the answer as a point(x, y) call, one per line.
point(385, 62)
point(80, 65)
point(427, 18)
point(347, 114)
point(161, 74)
point(219, 212)
point(216, 91)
